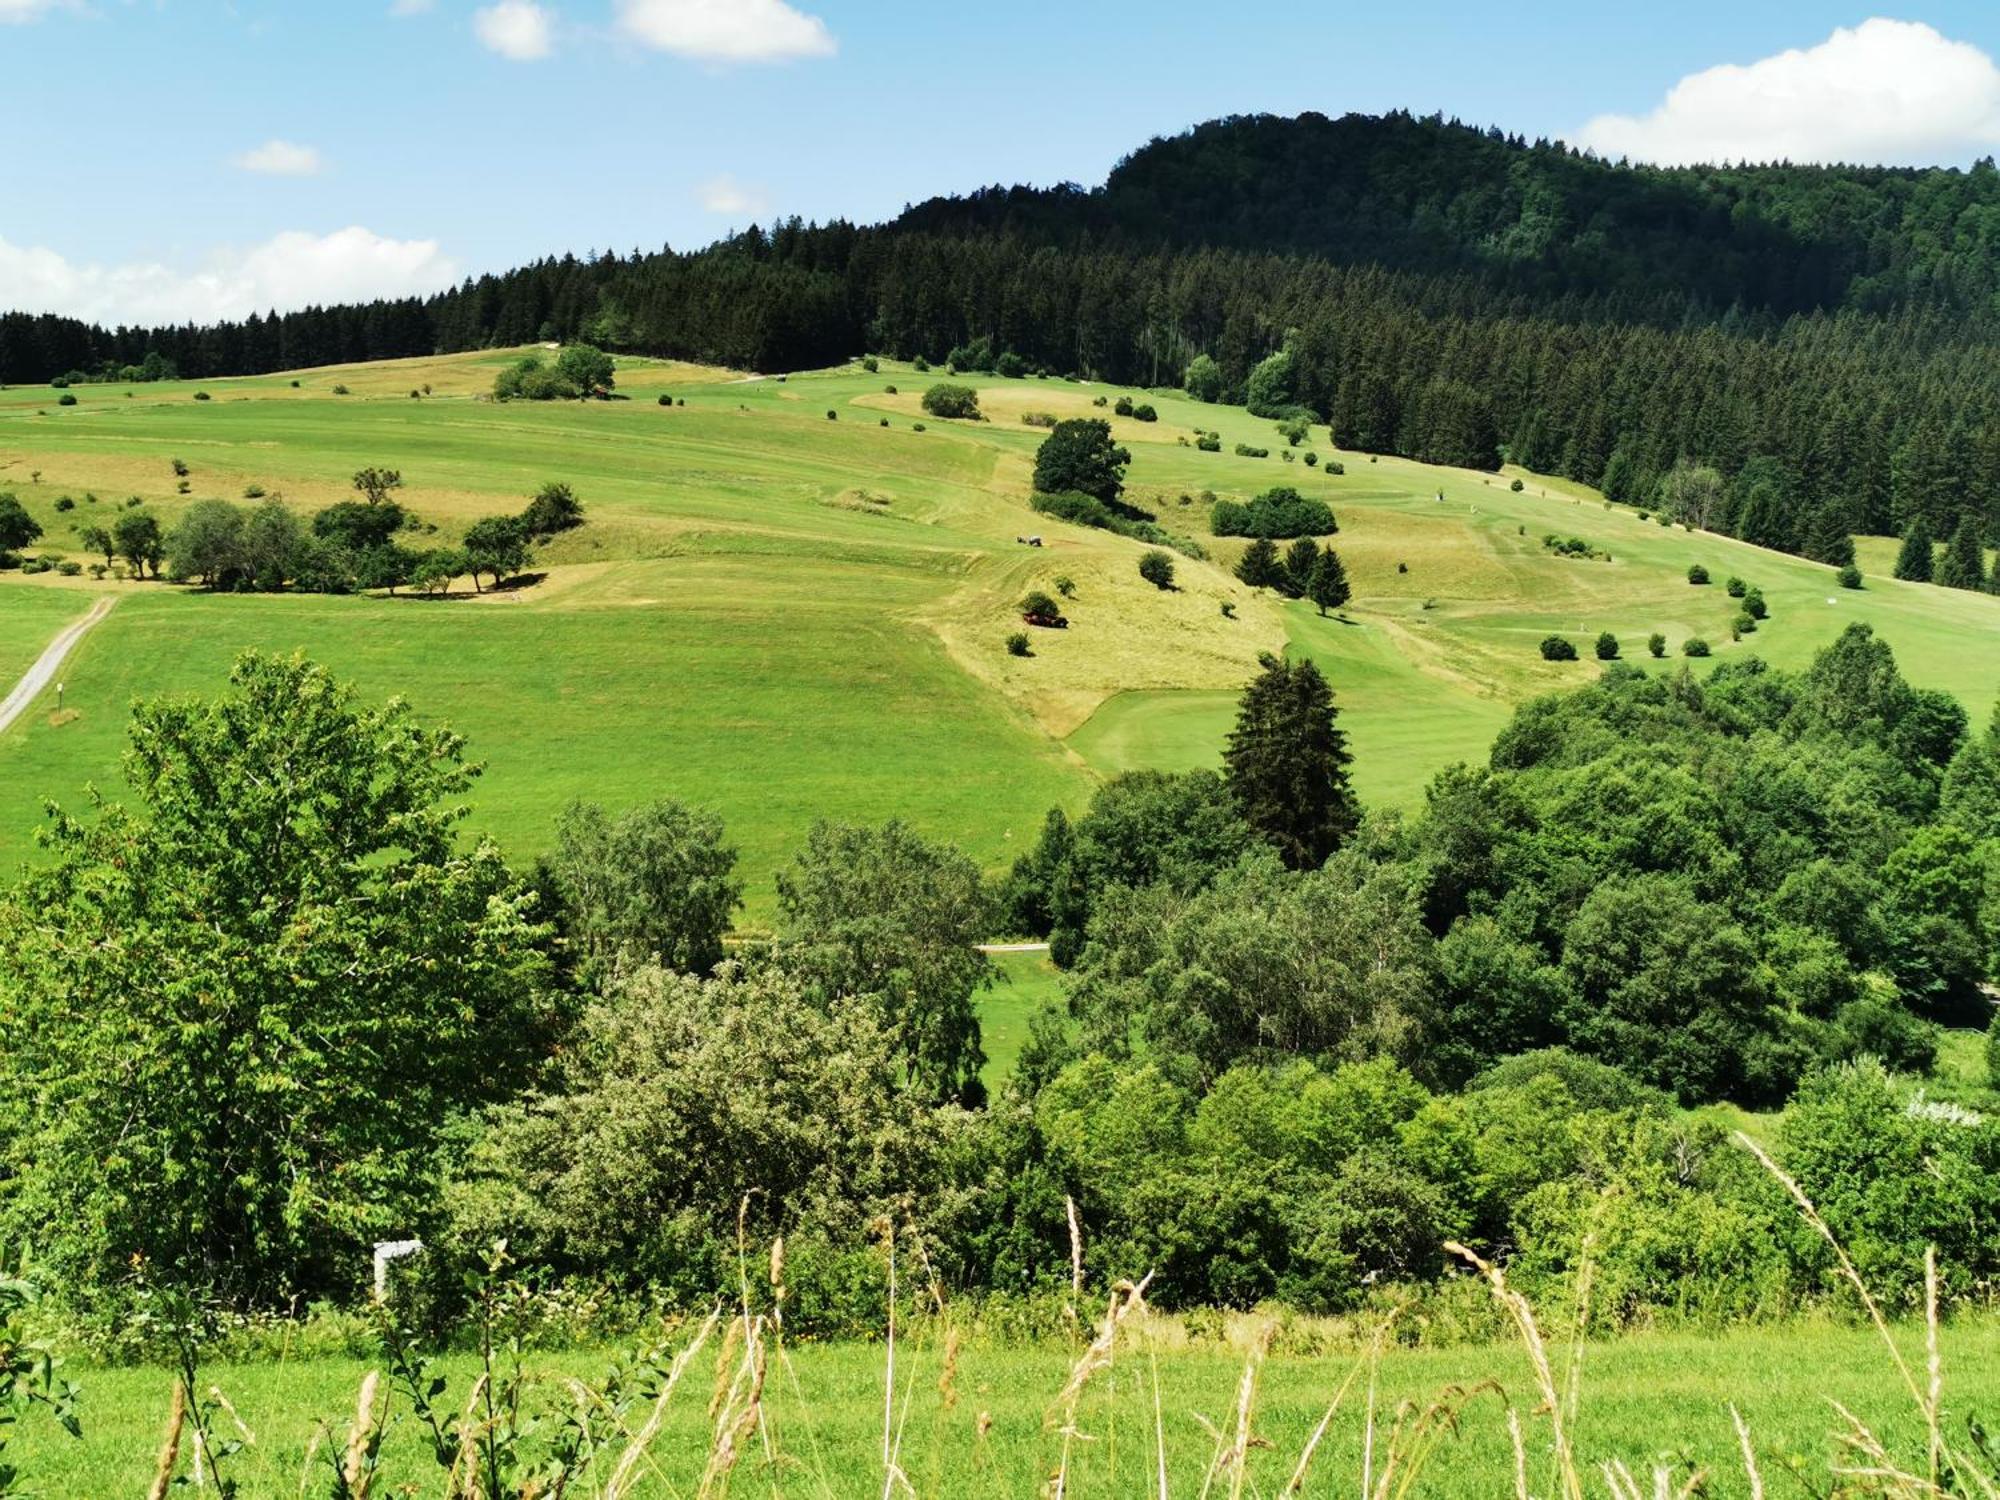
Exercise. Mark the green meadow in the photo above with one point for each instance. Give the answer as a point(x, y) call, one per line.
point(985, 1420)
point(784, 616)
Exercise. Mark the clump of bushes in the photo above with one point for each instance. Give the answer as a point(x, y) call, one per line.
point(952, 401)
point(1244, 450)
point(1557, 648)
point(1038, 419)
point(1037, 608)
point(1208, 442)
point(1144, 412)
point(1694, 645)
point(1278, 513)
point(1574, 546)
point(1123, 407)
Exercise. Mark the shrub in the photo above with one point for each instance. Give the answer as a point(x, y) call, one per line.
point(1312, 460)
point(1017, 644)
point(1755, 607)
point(666, 400)
point(1517, 486)
point(870, 363)
point(1228, 610)
point(946, 400)
point(1038, 419)
point(1736, 588)
point(1244, 450)
point(1123, 408)
point(921, 365)
point(201, 395)
point(1607, 646)
point(1208, 442)
point(1038, 608)
point(1657, 645)
point(340, 390)
point(1694, 645)
point(253, 491)
point(1697, 575)
point(884, 422)
point(63, 503)
point(1744, 624)
point(1556, 648)
point(832, 415)
point(889, 390)
point(1144, 412)
point(917, 427)
point(1065, 585)
point(295, 385)
point(1850, 577)
point(1277, 513)
point(1157, 568)
point(69, 569)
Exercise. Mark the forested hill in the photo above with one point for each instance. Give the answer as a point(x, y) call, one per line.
point(1542, 218)
point(1789, 354)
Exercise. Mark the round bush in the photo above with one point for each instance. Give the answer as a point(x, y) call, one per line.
point(1657, 645)
point(946, 400)
point(201, 395)
point(1755, 607)
point(1736, 588)
point(833, 416)
point(1694, 645)
point(1556, 648)
point(67, 400)
point(666, 400)
point(1157, 568)
point(1017, 644)
point(1517, 486)
point(1850, 577)
point(1697, 575)
point(1607, 647)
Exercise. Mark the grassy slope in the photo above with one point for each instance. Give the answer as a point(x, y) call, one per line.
point(780, 616)
point(1663, 1397)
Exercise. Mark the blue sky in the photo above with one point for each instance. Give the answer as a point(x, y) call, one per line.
point(186, 157)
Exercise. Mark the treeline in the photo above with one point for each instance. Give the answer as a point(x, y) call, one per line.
point(284, 1007)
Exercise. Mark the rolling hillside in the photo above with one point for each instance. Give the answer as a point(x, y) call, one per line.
point(780, 615)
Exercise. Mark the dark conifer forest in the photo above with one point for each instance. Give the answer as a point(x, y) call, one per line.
point(1819, 337)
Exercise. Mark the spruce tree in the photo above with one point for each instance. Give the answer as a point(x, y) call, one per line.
point(1828, 539)
point(1260, 567)
point(1328, 588)
point(1964, 563)
point(1915, 561)
point(1300, 560)
point(1286, 764)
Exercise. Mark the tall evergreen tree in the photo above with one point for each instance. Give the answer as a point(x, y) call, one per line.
point(1300, 559)
point(1917, 559)
point(1328, 588)
point(1260, 566)
point(1963, 565)
point(1286, 764)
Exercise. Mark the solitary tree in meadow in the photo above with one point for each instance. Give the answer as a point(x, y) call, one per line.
point(1286, 764)
point(375, 485)
point(587, 368)
point(137, 534)
point(554, 509)
point(17, 528)
point(1078, 456)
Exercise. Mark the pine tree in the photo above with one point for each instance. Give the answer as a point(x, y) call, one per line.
point(1828, 538)
point(1328, 586)
point(1286, 764)
point(1259, 566)
point(1993, 583)
point(1964, 563)
point(1915, 562)
point(1300, 559)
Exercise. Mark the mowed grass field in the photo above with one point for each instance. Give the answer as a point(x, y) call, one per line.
point(783, 616)
point(990, 1429)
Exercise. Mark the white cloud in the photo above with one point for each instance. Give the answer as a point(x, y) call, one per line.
point(292, 270)
point(516, 29)
point(281, 159)
point(725, 195)
point(403, 8)
point(25, 10)
point(1885, 91)
point(726, 31)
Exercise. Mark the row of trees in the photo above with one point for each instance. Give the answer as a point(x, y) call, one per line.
point(284, 1005)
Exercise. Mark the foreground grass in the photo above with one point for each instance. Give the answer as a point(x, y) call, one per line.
point(987, 1431)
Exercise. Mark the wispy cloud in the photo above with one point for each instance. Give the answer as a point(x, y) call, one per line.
point(14, 11)
point(281, 159)
point(726, 31)
point(291, 270)
point(402, 9)
point(1882, 92)
point(516, 29)
point(725, 195)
